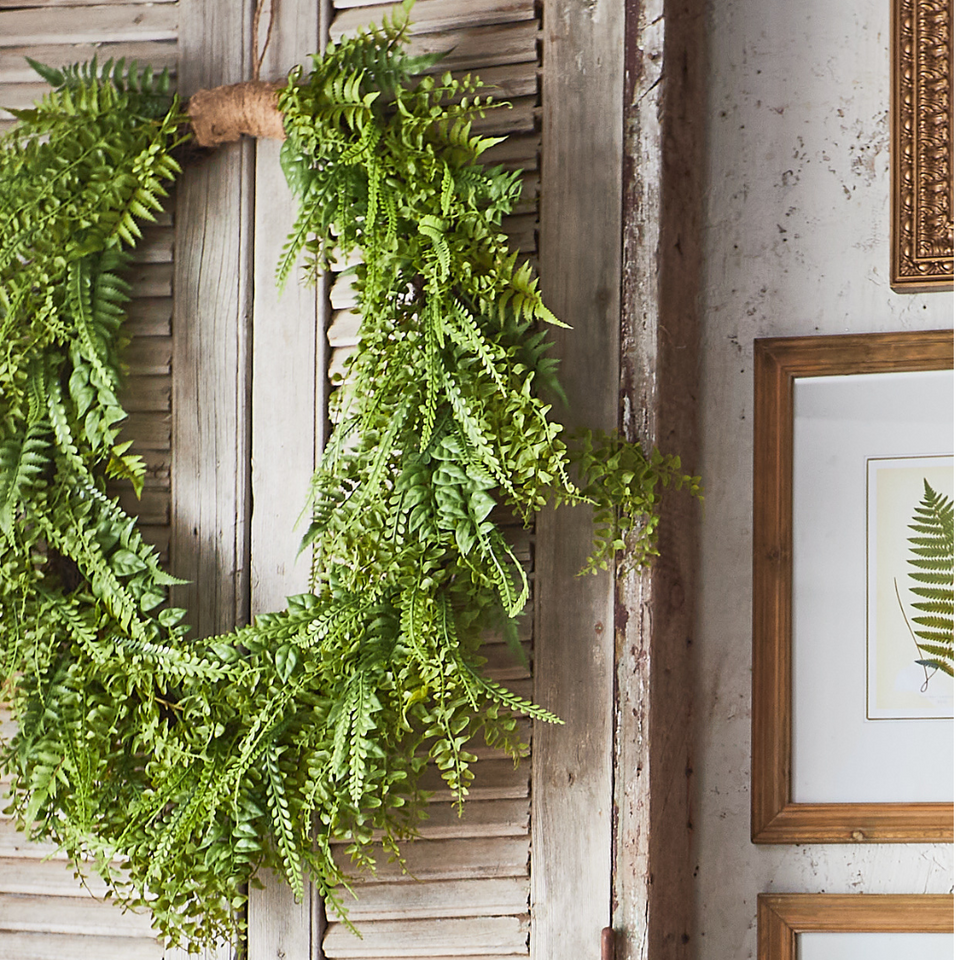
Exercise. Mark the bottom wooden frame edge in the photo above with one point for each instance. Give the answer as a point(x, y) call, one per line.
point(857, 823)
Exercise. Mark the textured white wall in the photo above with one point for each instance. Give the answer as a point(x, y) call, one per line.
point(796, 242)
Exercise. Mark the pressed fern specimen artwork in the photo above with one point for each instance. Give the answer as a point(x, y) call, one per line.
point(179, 766)
point(931, 554)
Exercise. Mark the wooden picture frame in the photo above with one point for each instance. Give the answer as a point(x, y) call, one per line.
point(781, 917)
point(921, 145)
point(775, 817)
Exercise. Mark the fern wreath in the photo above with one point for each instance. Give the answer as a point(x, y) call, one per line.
point(178, 767)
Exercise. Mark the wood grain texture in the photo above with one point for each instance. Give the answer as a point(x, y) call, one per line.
point(459, 859)
point(633, 737)
point(15, 69)
point(452, 898)
point(46, 878)
point(37, 4)
point(778, 362)
point(573, 661)
point(69, 915)
point(284, 438)
point(436, 16)
point(211, 341)
point(782, 916)
point(41, 946)
point(460, 937)
point(659, 377)
point(95, 24)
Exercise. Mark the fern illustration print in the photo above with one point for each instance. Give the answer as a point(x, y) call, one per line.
point(910, 633)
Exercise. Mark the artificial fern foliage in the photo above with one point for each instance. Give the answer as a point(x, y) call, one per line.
point(932, 559)
point(180, 766)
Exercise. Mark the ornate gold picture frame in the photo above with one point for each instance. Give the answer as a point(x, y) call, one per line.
point(775, 816)
point(782, 917)
point(921, 145)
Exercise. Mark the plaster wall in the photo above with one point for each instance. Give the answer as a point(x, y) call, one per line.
point(796, 242)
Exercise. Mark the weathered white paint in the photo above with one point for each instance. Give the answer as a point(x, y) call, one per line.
point(796, 242)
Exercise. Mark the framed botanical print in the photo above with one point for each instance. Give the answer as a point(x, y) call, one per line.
point(853, 589)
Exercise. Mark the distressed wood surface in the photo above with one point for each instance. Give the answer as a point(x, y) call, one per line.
point(114, 22)
point(212, 279)
point(36, 4)
point(448, 860)
point(211, 341)
point(454, 898)
point(655, 764)
point(47, 878)
point(461, 937)
point(15, 69)
point(573, 660)
point(74, 915)
point(41, 946)
point(435, 16)
point(286, 394)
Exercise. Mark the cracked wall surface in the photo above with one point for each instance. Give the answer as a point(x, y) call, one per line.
point(796, 242)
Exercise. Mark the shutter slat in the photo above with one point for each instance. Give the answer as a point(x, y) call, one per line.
point(14, 844)
point(151, 280)
point(40, 946)
point(146, 393)
point(455, 898)
point(97, 24)
point(52, 878)
point(149, 356)
point(449, 860)
point(494, 780)
point(26, 913)
point(433, 15)
point(15, 69)
point(462, 937)
point(149, 317)
point(35, 4)
point(473, 49)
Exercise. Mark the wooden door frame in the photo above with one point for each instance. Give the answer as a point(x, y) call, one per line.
point(620, 261)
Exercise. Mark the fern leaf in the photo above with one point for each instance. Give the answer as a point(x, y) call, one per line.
point(282, 823)
point(932, 558)
point(21, 464)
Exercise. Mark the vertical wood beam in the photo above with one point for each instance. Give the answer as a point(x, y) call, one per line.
point(285, 435)
point(663, 196)
point(212, 290)
point(580, 212)
point(210, 473)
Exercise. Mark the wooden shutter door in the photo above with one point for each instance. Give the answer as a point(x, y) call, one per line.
point(526, 870)
point(45, 912)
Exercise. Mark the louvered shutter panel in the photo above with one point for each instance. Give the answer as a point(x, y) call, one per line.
point(466, 889)
point(45, 912)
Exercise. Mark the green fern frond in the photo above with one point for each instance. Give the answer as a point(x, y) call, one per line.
point(932, 558)
point(21, 464)
point(282, 823)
